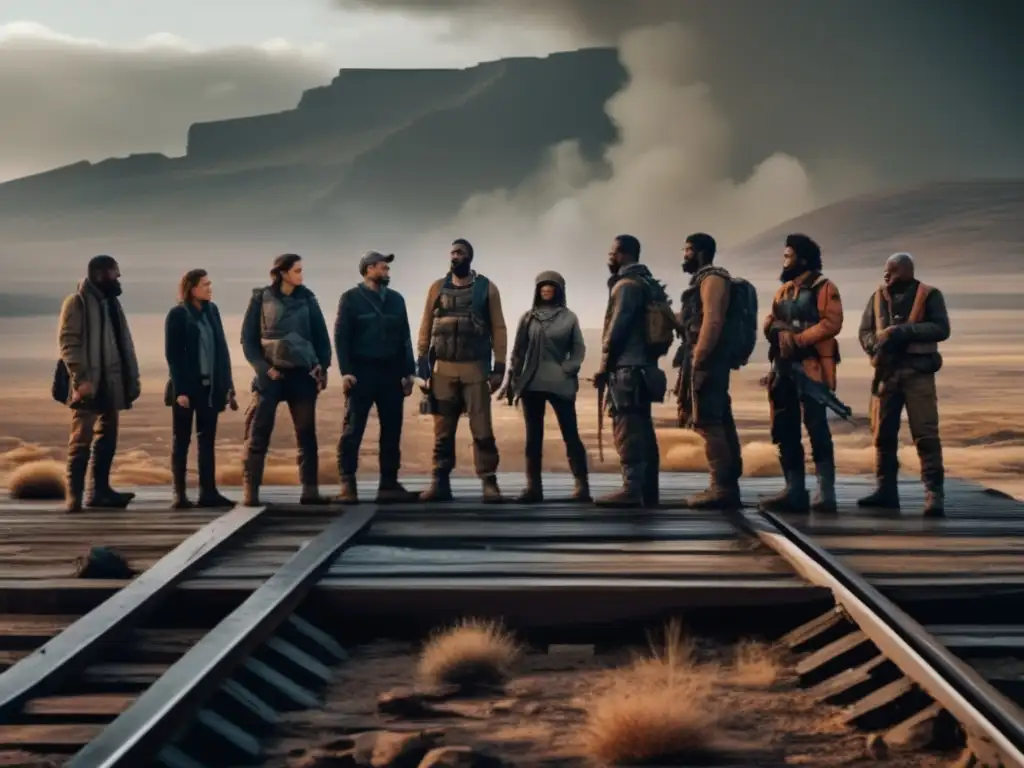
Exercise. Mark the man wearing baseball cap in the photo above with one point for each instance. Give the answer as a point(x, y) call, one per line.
point(374, 346)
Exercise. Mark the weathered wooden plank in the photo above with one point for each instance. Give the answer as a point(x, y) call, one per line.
point(55, 737)
point(92, 704)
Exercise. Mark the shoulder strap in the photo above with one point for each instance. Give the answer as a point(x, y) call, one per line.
point(878, 310)
point(917, 310)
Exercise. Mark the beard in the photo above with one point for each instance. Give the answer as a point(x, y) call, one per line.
point(381, 282)
point(460, 268)
point(791, 273)
point(690, 266)
point(613, 267)
point(110, 288)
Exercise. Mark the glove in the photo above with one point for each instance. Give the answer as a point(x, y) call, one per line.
point(423, 368)
point(496, 378)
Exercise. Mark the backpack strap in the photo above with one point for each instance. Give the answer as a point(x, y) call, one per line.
point(481, 296)
point(917, 310)
point(879, 295)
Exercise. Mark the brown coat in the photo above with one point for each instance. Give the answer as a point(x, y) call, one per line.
point(499, 335)
point(822, 335)
point(86, 338)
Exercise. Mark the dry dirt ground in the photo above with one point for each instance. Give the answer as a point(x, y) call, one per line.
point(703, 703)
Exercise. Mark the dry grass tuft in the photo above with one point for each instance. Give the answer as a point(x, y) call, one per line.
point(38, 480)
point(755, 665)
point(658, 710)
point(473, 652)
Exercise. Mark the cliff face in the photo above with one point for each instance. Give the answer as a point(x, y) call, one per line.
point(382, 139)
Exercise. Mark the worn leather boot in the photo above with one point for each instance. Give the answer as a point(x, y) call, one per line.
point(934, 503)
point(311, 497)
point(630, 495)
point(349, 493)
point(887, 491)
point(440, 490)
point(75, 489)
point(825, 501)
point(252, 479)
point(491, 491)
point(180, 488)
point(103, 496)
point(793, 499)
point(533, 493)
point(390, 491)
point(581, 491)
point(723, 492)
point(718, 497)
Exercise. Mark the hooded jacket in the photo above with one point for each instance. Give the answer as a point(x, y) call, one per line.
point(549, 349)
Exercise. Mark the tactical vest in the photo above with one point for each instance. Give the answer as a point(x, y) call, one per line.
point(460, 332)
point(692, 308)
point(286, 331)
point(886, 315)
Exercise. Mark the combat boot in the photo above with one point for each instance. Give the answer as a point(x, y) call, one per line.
point(825, 501)
point(716, 497)
point(725, 467)
point(581, 491)
point(390, 491)
point(311, 497)
point(491, 491)
point(793, 499)
point(349, 493)
point(252, 479)
point(75, 489)
point(885, 496)
point(630, 495)
point(934, 503)
point(103, 496)
point(180, 490)
point(440, 490)
point(533, 493)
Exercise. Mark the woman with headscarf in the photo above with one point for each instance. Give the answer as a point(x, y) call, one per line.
point(200, 386)
point(545, 365)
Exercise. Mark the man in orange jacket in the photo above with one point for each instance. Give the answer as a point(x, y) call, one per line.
point(806, 317)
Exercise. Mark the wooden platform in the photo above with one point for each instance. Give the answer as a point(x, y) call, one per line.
point(550, 563)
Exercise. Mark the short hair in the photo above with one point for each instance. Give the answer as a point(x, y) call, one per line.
point(901, 258)
point(808, 251)
point(628, 246)
point(465, 244)
point(703, 243)
point(282, 264)
point(189, 281)
point(101, 263)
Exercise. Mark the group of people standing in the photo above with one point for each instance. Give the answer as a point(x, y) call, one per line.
point(459, 362)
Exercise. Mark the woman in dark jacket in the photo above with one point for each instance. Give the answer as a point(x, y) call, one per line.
point(200, 385)
point(545, 365)
point(285, 339)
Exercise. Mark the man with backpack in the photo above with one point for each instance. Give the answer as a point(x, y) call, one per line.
point(806, 317)
point(461, 351)
point(718, 327)
point(638, 329)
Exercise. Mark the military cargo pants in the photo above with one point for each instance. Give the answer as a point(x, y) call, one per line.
point(93, 437)
point(916, 392)
point(788, 411)
point(455, 395)
point(374, 387)
point(629, 406)
point(713, 420)
point(298, 390)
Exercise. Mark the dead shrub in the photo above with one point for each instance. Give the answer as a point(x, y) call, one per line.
point(473, 652)
point(37, 480)
point(658, 710)
point(755, 665)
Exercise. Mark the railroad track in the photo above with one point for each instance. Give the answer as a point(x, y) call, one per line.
point(207, 697)
point(896, 678)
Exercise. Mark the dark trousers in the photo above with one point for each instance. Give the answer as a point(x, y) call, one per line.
point(633, 429)
point(204, 417)
point(93, 437)
point(916, 392)
point(298, 390)
point(788, 411)
point(381, 388)
point(534, 405)
point(713, 420)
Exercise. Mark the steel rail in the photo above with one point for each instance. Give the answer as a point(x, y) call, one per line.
point(49, 666)
point(980, 709)
point(139, 732)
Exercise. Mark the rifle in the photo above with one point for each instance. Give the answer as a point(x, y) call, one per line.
point(602, 384)
point(808, 387)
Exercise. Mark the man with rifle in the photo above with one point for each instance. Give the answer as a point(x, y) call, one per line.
point(639, 327)
point(806, 317)
point(901, 329)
